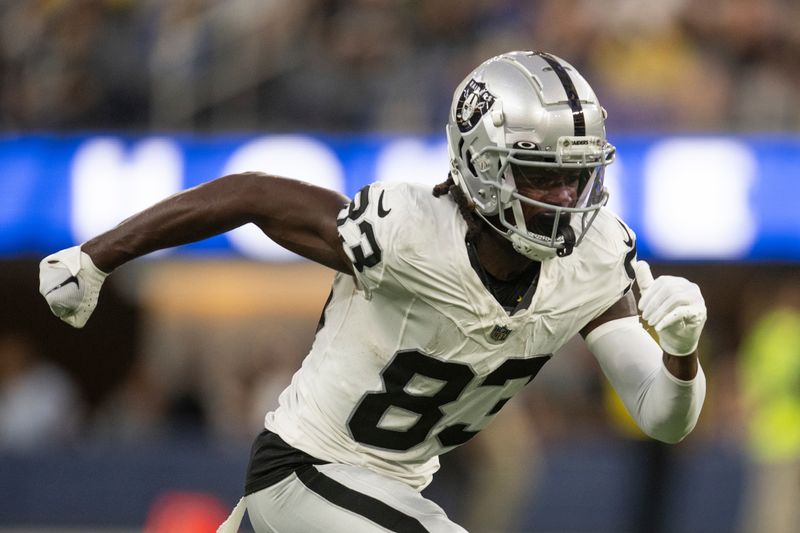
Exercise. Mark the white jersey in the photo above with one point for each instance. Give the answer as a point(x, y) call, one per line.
point(415, 355)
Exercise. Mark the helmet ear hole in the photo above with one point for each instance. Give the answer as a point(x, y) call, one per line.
point(470, 166)
point(466, 156)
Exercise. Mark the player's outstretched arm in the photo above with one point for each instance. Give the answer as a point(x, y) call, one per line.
point(299, 216)
point(295, 214)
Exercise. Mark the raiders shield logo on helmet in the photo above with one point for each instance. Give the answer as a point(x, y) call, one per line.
point(474, 102)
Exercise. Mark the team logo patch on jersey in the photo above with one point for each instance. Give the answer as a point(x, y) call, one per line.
point(473, 103)
point(500, 333)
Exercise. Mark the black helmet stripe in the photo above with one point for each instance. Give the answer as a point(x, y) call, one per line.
point(572, 94)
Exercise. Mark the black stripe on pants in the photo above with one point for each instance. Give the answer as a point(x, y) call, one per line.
point(359, 503)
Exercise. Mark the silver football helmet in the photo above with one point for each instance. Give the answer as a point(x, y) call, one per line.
point(524, 113)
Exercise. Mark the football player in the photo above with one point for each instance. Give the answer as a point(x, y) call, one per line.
point(446, 302)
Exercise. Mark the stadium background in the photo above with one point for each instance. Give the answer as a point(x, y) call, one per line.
point(144, 419)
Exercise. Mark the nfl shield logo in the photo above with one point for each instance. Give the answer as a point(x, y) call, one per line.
point(500, 333)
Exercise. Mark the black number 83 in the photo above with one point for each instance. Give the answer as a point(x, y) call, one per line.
point(365, 420)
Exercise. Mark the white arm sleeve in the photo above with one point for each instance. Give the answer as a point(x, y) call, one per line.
point(665, 408)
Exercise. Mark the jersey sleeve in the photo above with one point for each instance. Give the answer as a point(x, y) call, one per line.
point(627, 254)
point(371, 234)
point(608, 259)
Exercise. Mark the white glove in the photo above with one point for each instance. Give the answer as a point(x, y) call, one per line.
point(70, 282)
point(674, 307)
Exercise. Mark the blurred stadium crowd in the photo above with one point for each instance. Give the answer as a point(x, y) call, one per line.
point(210, 365)
point(385, 65)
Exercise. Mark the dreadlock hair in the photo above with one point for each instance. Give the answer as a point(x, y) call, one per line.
point(465, 206)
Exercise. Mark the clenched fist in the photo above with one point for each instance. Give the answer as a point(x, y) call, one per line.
point(70, 282)
point(674, 307)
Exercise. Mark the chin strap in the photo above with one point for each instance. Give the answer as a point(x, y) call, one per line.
point(540, 252)
point(530, 249)
point(528, 246)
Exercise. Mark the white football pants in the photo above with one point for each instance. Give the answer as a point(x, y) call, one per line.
point(334, 498)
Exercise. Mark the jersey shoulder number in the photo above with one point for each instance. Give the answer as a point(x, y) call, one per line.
point(357, 232)
point(371, 228)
